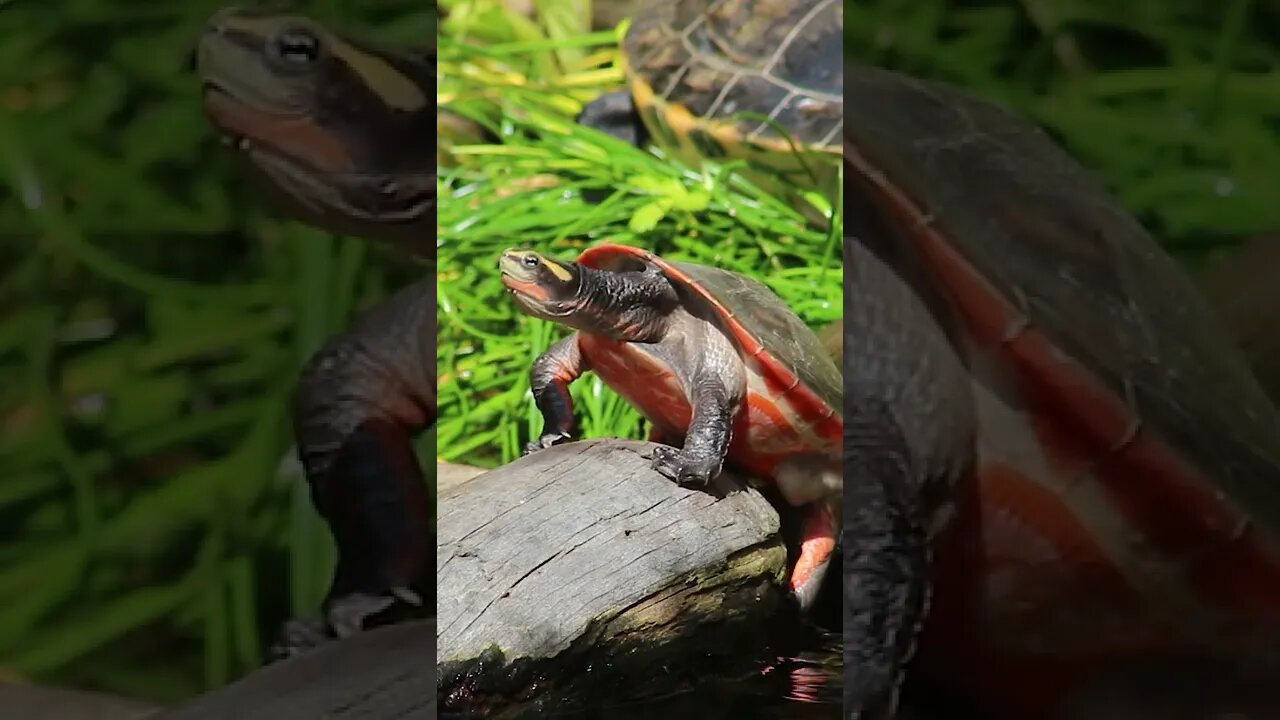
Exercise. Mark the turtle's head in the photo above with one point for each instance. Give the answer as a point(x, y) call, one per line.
point(257, 62)
point(631, 304)
point(337, 129)
point(544, 287)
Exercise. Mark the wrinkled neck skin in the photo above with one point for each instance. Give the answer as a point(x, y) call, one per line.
point(631, 306)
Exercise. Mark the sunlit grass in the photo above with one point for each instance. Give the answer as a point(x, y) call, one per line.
point(553, 185)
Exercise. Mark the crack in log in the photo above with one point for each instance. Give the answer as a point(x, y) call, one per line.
point(532, 570)
point(618, 572)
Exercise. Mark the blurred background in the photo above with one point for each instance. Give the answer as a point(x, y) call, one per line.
point(154, 527)
point(1175, 103)
point(154, 313)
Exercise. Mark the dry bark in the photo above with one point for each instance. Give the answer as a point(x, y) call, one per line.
point(582, 557)
point(449, 475)
point(38, 702)
point(383, 674)
point(575, 571)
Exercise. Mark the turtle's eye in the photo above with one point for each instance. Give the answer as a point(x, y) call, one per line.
point(530, 261)
point(296, 46)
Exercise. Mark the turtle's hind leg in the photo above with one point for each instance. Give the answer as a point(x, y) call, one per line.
point(817, 545)
point(814, 482)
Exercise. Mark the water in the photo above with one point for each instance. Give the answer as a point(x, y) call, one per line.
point(798, 677)
point(795, 677)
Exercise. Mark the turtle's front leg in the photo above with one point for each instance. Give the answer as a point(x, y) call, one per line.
point(707, 439)
point(549, 378)
point(359, 402)
point(885, 560)
point(716, 390)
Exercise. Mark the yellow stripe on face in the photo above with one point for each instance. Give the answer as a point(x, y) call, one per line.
point(561, 272)
point(393, 87)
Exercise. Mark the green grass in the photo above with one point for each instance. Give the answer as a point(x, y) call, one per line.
point(552, 185)
point(153, 316)
point(153, 313)
point(1174, 103)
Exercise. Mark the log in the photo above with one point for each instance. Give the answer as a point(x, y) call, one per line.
point(579, 572)
point(450, 474)
point(382, 673)
point(575, 556)
point(37, 702)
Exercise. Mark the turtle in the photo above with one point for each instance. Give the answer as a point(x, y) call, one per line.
point(309, 110)
point(335, 127)
point(920, 211)
point(1242, 284)
point(1050, 440)
point(735, 80)
point(721, 367)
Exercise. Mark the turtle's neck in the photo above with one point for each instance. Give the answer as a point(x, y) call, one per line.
point(634, 306)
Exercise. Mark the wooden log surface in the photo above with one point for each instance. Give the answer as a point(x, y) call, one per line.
point(582, 552)
point(546, 564)
point(38, 702)
point(450, 475)
point(383, 674)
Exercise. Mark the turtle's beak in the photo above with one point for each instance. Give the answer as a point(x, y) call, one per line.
point(520, 272)
point(542, 286)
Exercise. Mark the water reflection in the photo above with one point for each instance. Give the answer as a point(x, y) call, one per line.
point(797, 677)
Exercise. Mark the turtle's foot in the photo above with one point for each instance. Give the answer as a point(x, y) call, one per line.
point(545, 442)
point(353, 613)
point(298, 636)
point(343, 617)
point(684, 467)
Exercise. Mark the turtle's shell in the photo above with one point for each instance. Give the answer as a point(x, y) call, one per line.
point(799, 371)
point(1129, 463)
point(741, 79)
point(1021, 235)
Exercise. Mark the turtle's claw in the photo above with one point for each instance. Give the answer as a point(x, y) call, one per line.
point(407, 595)
point(683, 468)
point(343, 617)
point(298, 636)
point(348, 615)
point(545, 442)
